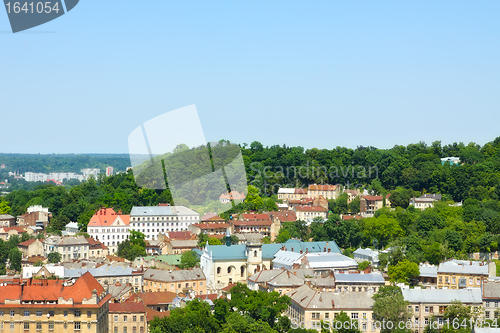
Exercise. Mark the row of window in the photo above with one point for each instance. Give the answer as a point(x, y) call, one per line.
point(38, 325)
point(107, 230)
point(354, 315)
point(125, 318)
point(166, 218)
point(160, 285)
point(39, 313)
point(461, 280)
point(134, 329)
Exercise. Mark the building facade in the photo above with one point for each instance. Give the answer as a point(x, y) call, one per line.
point(109, 227)
point(127, 317)
point(191, 281)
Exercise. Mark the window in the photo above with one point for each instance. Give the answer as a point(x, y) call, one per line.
point(426, 309)
point(116, 329)
point(134, 329)
point(487, 314)
point(354, 315)
point(142, 319)
point(327, 315)
point(26, 313)
point(39, 313)
point(141, 329)
point(453, 280)
point(38, 325)
point(134, 318)
point(124, 318)
point(116, 318)
point(12, 325)
point(416, 308)
point(125, 329)
point(26, 325)
point(364, 327)
point(496, 304)
point(201, 284)
point(65, 313)
point(12, 313)
point(487, 304)
point(51, 325)
point(426, 321)
point(89, 314)
point(364, 315)
point(78, 313)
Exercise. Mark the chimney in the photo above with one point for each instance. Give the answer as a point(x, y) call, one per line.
point(300, 251)
point(292, 249)
point(329, 250)
point(307, 250)
point(324, 250)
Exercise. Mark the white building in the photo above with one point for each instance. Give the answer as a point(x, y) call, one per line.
point(73, 247)
point(109, 171)
point(90, 172)
point(109, 227)
point(161, 219)
point(71, 229)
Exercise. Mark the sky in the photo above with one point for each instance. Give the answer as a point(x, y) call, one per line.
point(302, 73)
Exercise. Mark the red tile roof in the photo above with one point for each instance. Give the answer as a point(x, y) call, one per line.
point(300, 191)
point(233, 195)
point(322, 187)
point(211, 297)
point(128, 307)
point(211, 217)
point(350, 217)
point(255, 216)
point(211, 225)
point(96, 245)
point(287, 216)
point(151, 314)
point(18, 229)
point(27, 243)
point(252, 223)
point(106, 217)
point(310, 208)
point(180, 235)
point(159, 297)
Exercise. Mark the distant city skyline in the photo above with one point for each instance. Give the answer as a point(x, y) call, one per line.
point(315, 75)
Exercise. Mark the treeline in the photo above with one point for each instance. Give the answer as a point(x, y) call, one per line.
point(416, 166)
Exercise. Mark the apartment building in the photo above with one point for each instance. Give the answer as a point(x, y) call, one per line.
point(109, 227)
point(127, 317)
point(305, 213)
point(457, 274)
point(369, 204)
point(358, 282)
point(108, 275)
point(310, 307)
point(426, 303)
point(161, 219)
point(491, 298)
point(192, 281)
point(71, 247)
point(41, 305)
point(287, 194)
point(329, 192)
point(210, 224)
point(31, 247)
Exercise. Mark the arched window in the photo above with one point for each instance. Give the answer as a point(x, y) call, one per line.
point(218, 270)
point(242, 271)
point(229, 270)
point(255, 253)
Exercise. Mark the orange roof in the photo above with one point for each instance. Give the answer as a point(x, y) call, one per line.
point(51, 290)
point(233, 195)
point(106, 217)
point(18, 229)
point(350, 217)
point(180, 235)
point(252, 223)
point(310, 208)
point(27, 243)
point(287, 216)
point(95, 244)
point(255, 216)
point(211, 297)
point(211, 217)
point(211, 225)
point(322, 187)
point(300, 191)
point(127, 307)
point(159, 297)
point(374, 197)
point(151, 314)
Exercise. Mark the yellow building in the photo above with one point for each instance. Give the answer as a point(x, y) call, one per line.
point(327, 191)
point(185, 281)
point(287, 194)
point(127, 317)
point(52, 306)
point(457, 274)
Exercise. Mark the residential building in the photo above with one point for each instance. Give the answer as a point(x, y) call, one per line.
point(120, 292)
point(108, 275)
point(35, 216)
point(7, 220)
point(329, 192)
point(86, 173)
point(369, 204)
point(287, 259)
point(31, 247)
point(311, 307)
point(71, 247)
point(450, 160)
point(232, 196)
point(359, 282)
point(428, 275)
point(287, 194)
point(44, 271)
point(325, 262)
point(187, 281)
point(367, 254)
point(71, 229)
point(127, 317)
point(109, 171)
point(306, 213)
point(97, 249)
point(180, 246)
point(352, 194)
point(249, 238)
point(457, 274)
point(42, 305)
point(257, 223)
point(491, 298)
point(283, 216)
point(109, 227)
point(425, 201)
point(211, 224)
point(153, 220)
point(7, 232)
point(280, 280)
point(426, 303)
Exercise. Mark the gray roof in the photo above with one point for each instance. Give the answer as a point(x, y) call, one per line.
point(286, 257)
point(329, 260)
point(442, 296)
point(184, 243)
point(324, 282)
point(491, 289)
point(463, 267)
point(286, 278)
point(73, 225)
point(428, 270)
point(307, 298)
point(171, 276)
point(162, 211)
point(6, 217)
point(265, 275)
point(361, 278)
point(103, 271)
point(365, 252)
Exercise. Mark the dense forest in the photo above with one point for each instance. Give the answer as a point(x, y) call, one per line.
point(440, 232)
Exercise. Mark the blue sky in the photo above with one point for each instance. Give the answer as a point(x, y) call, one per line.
point(315, 74)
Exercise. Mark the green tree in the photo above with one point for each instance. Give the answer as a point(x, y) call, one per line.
point(390, 305)
point(54, 257)
point(4, 207)
point(15, 257)
point(354, 205)
point(347, 325)
point(405, 271)
point(133, 247)
point(363, 265)
point(189, 259)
